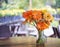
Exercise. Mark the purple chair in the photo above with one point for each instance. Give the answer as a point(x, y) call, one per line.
point(4, 31)
point(56, 33)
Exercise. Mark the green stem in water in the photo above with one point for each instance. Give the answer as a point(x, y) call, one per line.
point(39, 33)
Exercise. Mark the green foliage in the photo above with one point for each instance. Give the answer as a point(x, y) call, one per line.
point(16, 4)
point(38, 3)
point(58, 3)
point(0, 15)
point(23, 4)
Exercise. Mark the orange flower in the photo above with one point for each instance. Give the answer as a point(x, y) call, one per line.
point(37, 15)
point(41, 25)
point(47, 22)
point(28, 15)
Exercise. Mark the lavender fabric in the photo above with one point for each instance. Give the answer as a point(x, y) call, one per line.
point(4, 31)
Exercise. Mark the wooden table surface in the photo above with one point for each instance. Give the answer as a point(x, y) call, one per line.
point(52, 42)
point(18, 42)
point(28, 42)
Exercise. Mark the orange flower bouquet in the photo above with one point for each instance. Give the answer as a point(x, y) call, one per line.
point(41, 19)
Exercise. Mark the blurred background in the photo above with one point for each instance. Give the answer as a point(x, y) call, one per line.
point(11, 15)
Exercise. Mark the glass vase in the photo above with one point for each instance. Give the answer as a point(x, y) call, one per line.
point(42, 38)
